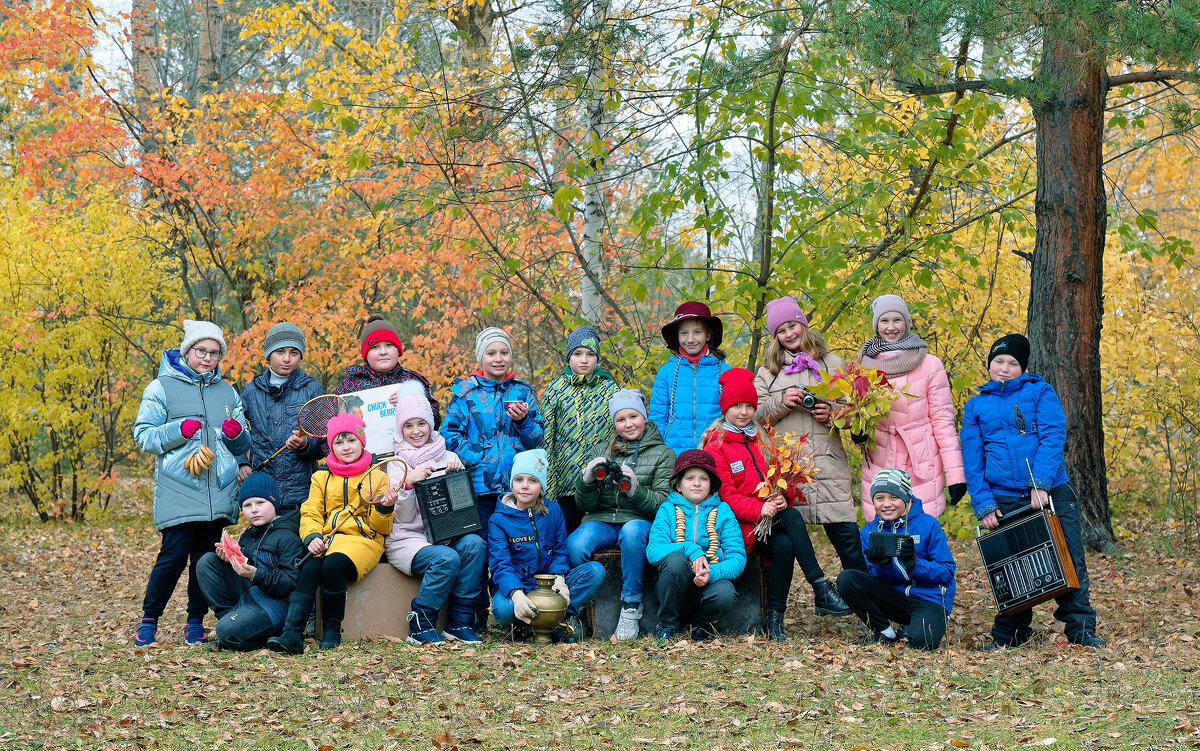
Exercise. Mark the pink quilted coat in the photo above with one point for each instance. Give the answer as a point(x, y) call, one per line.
point(919, 437)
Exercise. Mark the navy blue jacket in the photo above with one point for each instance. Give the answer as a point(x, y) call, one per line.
point(273, 550)
point(933, 578)
point(1007, 424)
point(271, 412)
point(523, 543)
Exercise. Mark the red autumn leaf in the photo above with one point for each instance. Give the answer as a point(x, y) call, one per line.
point(861, 384)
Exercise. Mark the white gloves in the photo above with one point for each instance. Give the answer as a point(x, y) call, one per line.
point(523, 607)
point(590, 468)
point(633, 481)
point(560, 586)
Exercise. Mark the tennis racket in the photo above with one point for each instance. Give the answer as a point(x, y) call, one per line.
point(313, 419)
point(383, 476)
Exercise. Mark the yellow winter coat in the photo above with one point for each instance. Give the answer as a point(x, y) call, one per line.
point(361, 528)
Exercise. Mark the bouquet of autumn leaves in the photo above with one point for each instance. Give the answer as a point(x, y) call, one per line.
point(866, 396)
point(789, 465)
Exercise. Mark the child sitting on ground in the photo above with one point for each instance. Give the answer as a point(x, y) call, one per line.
point(697, 546)
point(449, 573)
point(527, 536)
point(250, 595)
point(911, 577)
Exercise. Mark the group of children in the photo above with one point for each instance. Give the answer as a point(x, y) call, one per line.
point(672, 482)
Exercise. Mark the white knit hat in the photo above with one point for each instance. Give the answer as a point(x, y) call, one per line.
point(194, 331)
point(486, 337)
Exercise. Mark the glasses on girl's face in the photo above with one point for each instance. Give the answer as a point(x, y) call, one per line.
point(205, 354)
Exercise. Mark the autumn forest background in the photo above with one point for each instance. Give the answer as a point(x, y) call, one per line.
point(537, 164)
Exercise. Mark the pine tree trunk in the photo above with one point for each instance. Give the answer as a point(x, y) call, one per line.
point(1066, 304)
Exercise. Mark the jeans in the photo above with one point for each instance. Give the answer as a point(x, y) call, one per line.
point(877, 604)
point(583, 581)
point(487, 507)
point(242, 624)
point(681, 601)
point(631, 537)
point(1074, 608)
point(190, 540)
point(452, 573)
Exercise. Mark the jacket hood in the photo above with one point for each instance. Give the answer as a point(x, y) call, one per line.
point(1008, 387)
point(476, 380)
point(707, 357)
point(172, 365)
point(675, 499)
point(915, 509)
point(651, 437)
point(297, 380)
point(599, 374)
point(508, 507)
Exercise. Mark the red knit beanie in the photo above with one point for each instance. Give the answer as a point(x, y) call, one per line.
point(737, 386)
point(378, 330)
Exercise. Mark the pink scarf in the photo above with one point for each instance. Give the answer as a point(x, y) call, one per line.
point(356, 467)
point(432, 453)
point(802, 361)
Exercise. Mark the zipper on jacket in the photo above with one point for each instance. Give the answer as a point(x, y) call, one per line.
point(754, 461)
point(537, 542)
point(696, 524)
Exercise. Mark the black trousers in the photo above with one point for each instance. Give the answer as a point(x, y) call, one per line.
point(242, 624)
point(789, 541)
point(1074, 608)
point(681, 601)
point(332, 572)
point(878, 604)
point(181, 543)
point(845, 540)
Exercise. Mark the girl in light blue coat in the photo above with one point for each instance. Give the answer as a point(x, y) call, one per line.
point(188, 407)
point(686, 396)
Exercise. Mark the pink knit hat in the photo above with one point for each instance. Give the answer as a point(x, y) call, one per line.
point(410, 405)
point(783, 310)
point(346, 422)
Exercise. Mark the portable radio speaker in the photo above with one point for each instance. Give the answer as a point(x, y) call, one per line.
point(448, 508)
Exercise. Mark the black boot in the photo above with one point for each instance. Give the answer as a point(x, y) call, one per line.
point(331, 633)
point(826, 599)
point(291, 641)
point(774, 626)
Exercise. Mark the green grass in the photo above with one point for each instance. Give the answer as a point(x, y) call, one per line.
point(71, 678)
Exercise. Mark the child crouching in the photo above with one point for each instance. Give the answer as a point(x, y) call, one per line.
point(450, 573)
point(911, 578)
point(526, 537)
point(697, 546)
point(250, 596)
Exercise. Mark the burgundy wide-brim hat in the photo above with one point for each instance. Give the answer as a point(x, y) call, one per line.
point(670, 331)
point(697, 458)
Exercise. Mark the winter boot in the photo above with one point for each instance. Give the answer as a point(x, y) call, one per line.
point(459, 626)
point(773, 626)
point(422, 626)
point(569, 631)
point(333, 610)
point(827, 601)
point(291, 641)
point(147, 630)
point(331, 633)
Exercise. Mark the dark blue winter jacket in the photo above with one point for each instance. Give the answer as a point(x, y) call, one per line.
point(686, 399)
point(273, 549)
point(933, 578)
point(271, 412)
point(1008, 424)
point(524, 543)
point(479, 430)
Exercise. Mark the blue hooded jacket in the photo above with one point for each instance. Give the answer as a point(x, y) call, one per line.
point(933, 578)
point(686, 399)
point(178, 394)
point(522, 543)
point(479, 430)
point(1008, 423)
point(271, 412)
point(731, 549)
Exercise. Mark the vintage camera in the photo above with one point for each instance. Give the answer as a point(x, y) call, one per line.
point(808, 399)
point(609, 473)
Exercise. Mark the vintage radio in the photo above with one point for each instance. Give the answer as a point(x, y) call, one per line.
point(448, 508)
point(1027, 560)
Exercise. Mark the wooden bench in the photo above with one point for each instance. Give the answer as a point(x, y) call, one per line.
point(377, 607)
point(746, 615)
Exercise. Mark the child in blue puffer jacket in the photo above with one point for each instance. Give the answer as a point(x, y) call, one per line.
point(910, 580)
point(492, 416)
point(686, 395)
point(527, 536)
point(1012, 438)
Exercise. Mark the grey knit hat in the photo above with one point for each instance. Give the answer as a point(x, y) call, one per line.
point(283, 335)
point(894, 481)
point(486, 337)
point(584, 336)
point(195, 331)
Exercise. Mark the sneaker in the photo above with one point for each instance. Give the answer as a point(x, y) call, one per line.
point(464, 634)
point(147, 630)
point(569, 631)
point(827, 601)
point(702, 633)
point(522, 631)
point(773, 626)
point(194, 632)
point(663, 634)
point(628, 626)
point(1087, 639)
point(421, 631)
point(876, 638)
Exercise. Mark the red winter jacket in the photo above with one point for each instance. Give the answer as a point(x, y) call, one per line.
point(741, 467)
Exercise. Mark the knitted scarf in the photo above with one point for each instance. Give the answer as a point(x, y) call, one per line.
point(431, 454)
point(356, 467)
point(749, 431)
point(910, 344)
